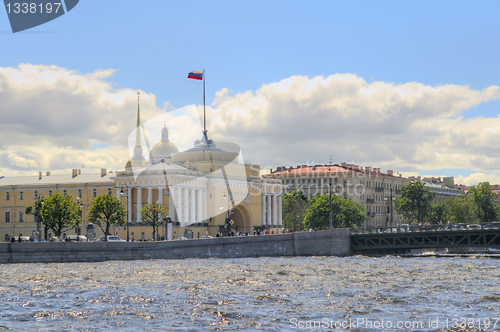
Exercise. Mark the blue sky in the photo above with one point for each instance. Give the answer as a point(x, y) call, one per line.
point(244, 45)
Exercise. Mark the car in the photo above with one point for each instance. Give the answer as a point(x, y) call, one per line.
point(208, 237)
point(55, 239)
point(182, 238)
point(473, 227)
point(76, 238)
point(111, 238)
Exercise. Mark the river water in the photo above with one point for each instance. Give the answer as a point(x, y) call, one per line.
point(265, 294)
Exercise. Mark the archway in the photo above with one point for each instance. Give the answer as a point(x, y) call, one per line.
point(241, 219)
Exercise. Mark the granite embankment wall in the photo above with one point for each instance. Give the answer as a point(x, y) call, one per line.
point(336, 242)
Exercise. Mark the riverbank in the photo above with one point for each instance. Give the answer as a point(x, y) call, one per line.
point(335, 242)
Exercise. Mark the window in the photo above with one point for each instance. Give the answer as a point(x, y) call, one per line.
point(303, 181)
point(65, 193)
point(314, 181)
point(94, 193)
point(345, 195)
point(319, 182)
point(21, 195)
point(293, 182)
point(50, 192)
point(35, 195)
point(7, 217)
point(287, 181)
point(79, 195)
point(345, 182)
point(308, 181)
point(21, 215)
point(336, 181)
point(110, 192)
point(7, 196)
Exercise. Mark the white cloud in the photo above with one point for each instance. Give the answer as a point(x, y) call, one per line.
point(57, 119)
point(405, 127)
point(58, 115)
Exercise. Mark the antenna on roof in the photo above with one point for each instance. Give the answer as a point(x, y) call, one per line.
point(330, 159)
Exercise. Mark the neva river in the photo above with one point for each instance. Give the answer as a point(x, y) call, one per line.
point(265, 294)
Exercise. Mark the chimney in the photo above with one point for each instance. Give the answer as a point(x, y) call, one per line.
point(79, 171)
point(48, 173)
point(103, 171)
point(368, 168)
point(74, 172)
point(39, 175)
point(390, 172)
point(356, 167)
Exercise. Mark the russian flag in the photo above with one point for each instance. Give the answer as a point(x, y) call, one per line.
point(196, 75)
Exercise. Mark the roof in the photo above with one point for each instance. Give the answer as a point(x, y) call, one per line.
point(56, 179)
point(327, 169)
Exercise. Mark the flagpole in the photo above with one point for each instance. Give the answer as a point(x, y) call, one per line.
point(204, 118)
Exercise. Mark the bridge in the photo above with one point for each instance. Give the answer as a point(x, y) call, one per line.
point(379, 240)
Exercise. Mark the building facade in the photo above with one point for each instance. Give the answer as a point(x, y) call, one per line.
point(377, 191)
point(205, 190)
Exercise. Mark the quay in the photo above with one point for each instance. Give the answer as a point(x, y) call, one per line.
point(335, 242)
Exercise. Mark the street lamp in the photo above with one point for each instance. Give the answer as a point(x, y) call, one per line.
point(390, 199)
point(122, 193)
point(228, 218)
point(40, 198)
point(81, 216)
point(330, 218)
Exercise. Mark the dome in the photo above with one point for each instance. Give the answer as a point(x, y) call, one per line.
point(162, 150)
point(128, 166)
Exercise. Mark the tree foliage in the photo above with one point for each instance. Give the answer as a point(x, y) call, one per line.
point(107, 210)
point(58, 213)
point(155, 215)
point(345, 213)
point(483, 197)
point(415, 202)
point(460, 210)
point(290, 209)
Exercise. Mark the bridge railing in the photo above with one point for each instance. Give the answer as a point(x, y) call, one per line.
point(404, 228)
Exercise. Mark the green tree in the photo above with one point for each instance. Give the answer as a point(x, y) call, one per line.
point(415, 202)
point(290, 210)
point(35, 210)
point(345, 213)
point(460, 210)
point(483, 197)
point(438, 213)
point(107, 210)
point(57, 213)
point(154, 214)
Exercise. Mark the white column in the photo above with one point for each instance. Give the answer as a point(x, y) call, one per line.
point(280, 210)
point(199, 205)
point(150, 195)
point(193, 206)
point(139, 204)
point(160, 196)
point(179, 204)
point(268, 209)
point(205, 214)
point(171, 208)
point(118, 196)
point(185, 213)
point(263, 209)
point(129, 204)
point(275, 210)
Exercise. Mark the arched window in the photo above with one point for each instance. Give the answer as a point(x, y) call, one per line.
point(79, 193)
point(50, 192)
point(7, 196)
point(110, 192)
point(21, 195)
point(94, 193)
point(35, 195)
point(65, 193)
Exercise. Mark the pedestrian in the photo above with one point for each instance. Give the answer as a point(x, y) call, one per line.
point(12, 239)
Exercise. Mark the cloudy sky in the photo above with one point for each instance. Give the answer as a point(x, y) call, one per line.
point(410, 86)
